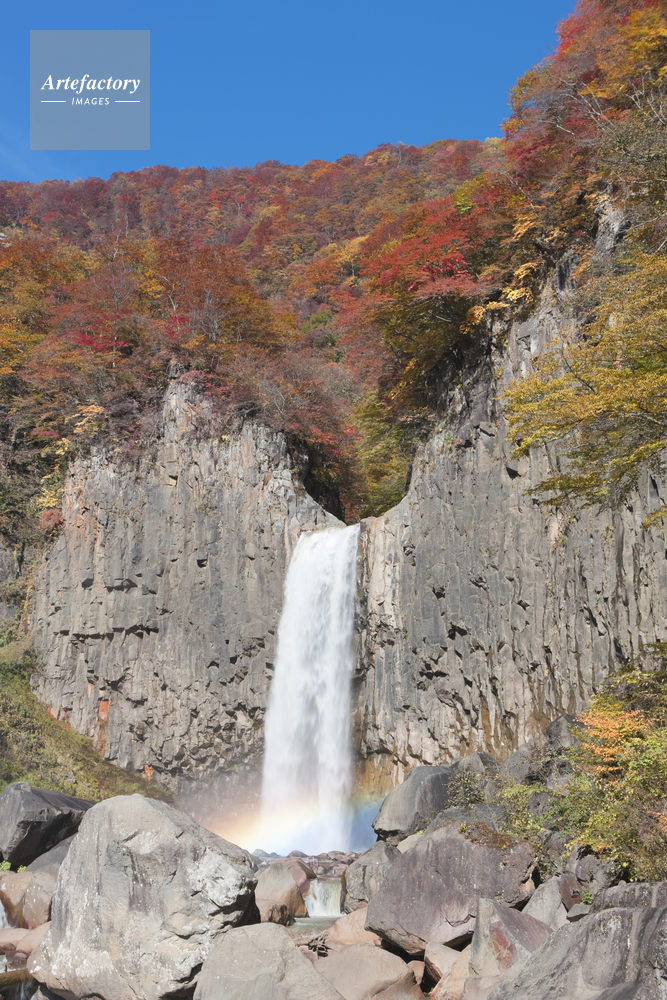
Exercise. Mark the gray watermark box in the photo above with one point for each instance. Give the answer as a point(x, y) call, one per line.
point(90, 90)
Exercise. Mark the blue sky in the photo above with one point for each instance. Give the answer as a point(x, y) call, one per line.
point(233, 84)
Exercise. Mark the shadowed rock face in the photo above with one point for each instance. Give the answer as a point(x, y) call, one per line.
point(33, 821)
point(156, 609)
point(481, 616)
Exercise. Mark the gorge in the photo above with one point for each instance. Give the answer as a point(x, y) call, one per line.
point(479, 617)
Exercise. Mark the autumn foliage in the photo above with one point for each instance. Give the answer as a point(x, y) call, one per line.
point(339, 301)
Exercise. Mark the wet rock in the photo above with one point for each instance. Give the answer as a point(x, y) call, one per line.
point(260, 963)
point(360, 971)
point(33, 821)
point(503, 937)
point(276, 888)
point(365, 876)
point(432, 890)
point(164, 888)
point(605, 956)
point(351, 929)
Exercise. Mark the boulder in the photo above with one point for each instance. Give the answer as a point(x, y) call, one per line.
point(520, 766)
point(27, 944)
point(276, 888)
point(422, 794)
point(27, 895)
point(33, 820)
point(360, 971)
point(559, 733)
point(613, 955)
point(479, 812)
point(546, 905)
point(260, 963)
point(591, 871)
point(36, 902)
point(406, 988)
point(452, 984)
point(300, 872)
point(367, 875)
point(418, 969)
point(405, 845)
point(412, 805)
point(52, 859)
point(139, 901)
point(432, 890)
point(438, 960)
point(10, 937)
point(637, 894)
point(351, 929)
point(503, 937)
point(12, 890)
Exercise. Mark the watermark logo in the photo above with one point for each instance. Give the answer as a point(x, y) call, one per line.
point(90, 90)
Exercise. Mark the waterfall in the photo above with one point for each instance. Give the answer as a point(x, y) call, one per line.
point(324, 898)
point(307, 762)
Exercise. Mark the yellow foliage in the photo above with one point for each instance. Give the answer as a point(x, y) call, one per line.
point(606, 393)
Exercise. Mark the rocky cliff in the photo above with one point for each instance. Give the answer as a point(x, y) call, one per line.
point(483, 616)
point(156, 609)
point(480, 617)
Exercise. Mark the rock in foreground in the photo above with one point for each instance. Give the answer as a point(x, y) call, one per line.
point(33, 821)
point(619, 954)
point(260, 963)
point(361, 971)
point(140, 898)
point(432, 890)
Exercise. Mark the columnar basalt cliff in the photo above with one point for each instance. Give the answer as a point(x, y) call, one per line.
point(483, 616)
point(480, 617)
point(156, 609)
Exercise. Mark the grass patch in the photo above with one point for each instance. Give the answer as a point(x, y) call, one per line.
point(36, 748)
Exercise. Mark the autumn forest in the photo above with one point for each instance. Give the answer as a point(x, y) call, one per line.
point(340, 302)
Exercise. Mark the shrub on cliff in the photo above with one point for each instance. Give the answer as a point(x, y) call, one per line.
point(616, 801)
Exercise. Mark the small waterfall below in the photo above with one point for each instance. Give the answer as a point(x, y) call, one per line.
point(306, 782)
point(324, 898)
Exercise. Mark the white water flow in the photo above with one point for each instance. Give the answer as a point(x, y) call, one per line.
point(4, 922)
point(307, 762)
point(324, 898)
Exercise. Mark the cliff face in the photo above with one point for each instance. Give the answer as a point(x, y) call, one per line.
point(482, 616)
point(156, 609)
